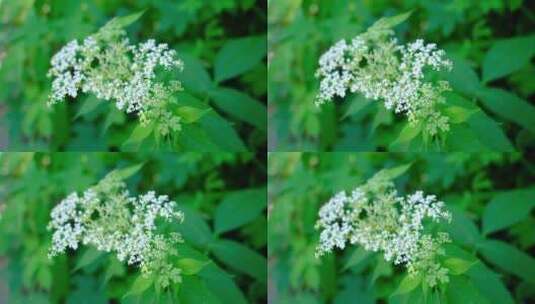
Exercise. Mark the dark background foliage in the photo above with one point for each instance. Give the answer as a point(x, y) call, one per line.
point(222, 43)
point(490, 42)
point(491, 197)
point(209, 188)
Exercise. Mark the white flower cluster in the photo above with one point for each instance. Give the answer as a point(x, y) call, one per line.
point(107, 65)
point(376, 218)
point(107, 217)
point(375, 65)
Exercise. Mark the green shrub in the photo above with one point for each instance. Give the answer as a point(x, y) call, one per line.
point(488, 259)
point(219, 256)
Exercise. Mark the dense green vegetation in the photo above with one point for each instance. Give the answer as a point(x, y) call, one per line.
point(489, 42)
point(490, 197)
point(114, 113)
point(222, 257)
point(222, 106)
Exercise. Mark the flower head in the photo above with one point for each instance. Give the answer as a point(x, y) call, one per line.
point(375, 217)
point(377, 66)
point(108, 218)
point(111, 68)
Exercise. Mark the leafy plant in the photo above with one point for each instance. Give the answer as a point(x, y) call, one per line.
point(129, 249)
point(488, 108)
point(221, 106)
point(376, 66)
point(102, 65)
point(370, 254)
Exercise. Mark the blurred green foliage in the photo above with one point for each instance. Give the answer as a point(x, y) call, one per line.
point(491, 44)
point(490, 196)
point(222, 43)
point(226, 248)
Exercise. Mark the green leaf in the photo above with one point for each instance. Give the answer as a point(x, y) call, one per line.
point(88, 105)
point(191, 266)
point(241, 258)
point(478, 133)
point(222, 133)
point(88, 257)
point(462, 229)
point(458, 266)
point(209, 133)
point(458, 114)
point(462, 138)
point(250, 203)
point(489, 284)
point(508, 208)
point(358, 103)
point(222, 285)
point(328, 284)
point(241, 106)
point(358, 255)
point(507, 55)
point(415, 296)
point(138, 135)
point(486, 281)
point(509, 106)
point(86, 291)
point(194, 138)
point(194, 78)
point(114, 116)
point(382, 268)
point(194, 229)
point(186, 251)
point(408, 284)
point(509, 259)
point(238, 56)
point(125, 21)
point(127, 172)
point(407, 134)
point(390, 22)
point(382, 117)
point(311, 277)
point(114, 269)
point(140, 285)
point(44, 277)
point(462, 77)
point(191, 114)
point(194, 290)
point(462, 290)
point(392, 173)
point(489, 133)
point(61, 285)
point(458, 108)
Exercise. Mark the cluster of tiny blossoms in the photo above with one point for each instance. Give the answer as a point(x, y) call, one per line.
point(111, 68)
point(379, 68)
point(107, 217)
point(376, 218)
